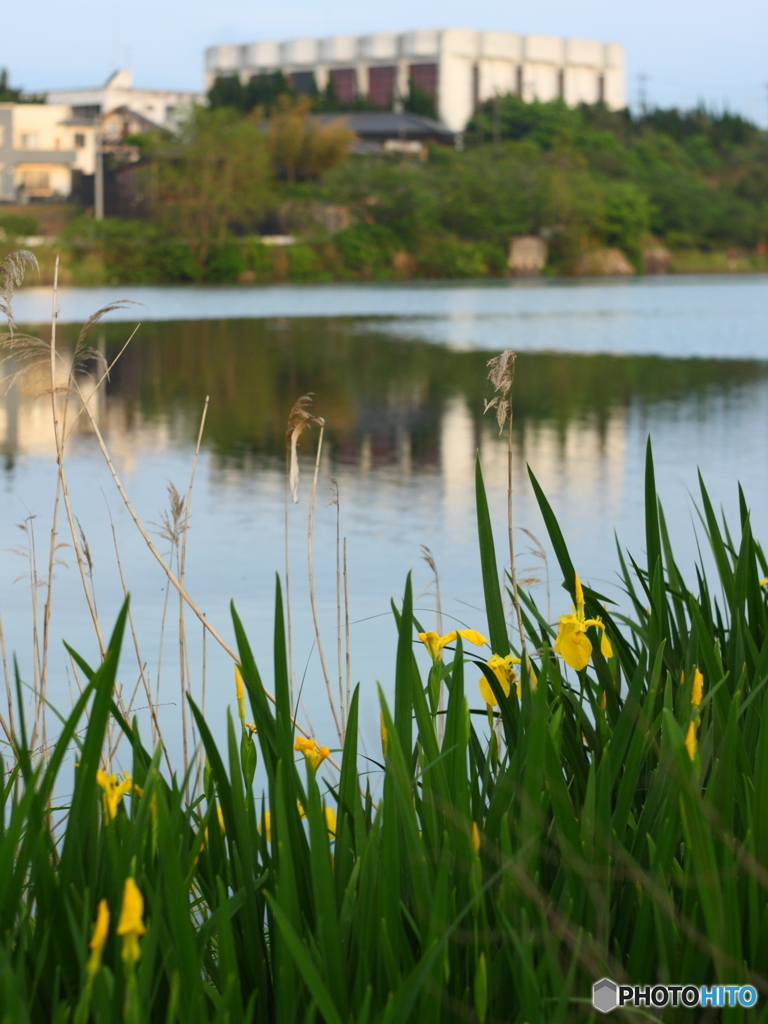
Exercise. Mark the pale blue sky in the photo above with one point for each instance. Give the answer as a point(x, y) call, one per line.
point(708, 49)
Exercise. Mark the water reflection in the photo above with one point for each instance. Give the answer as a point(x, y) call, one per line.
point(385, 402)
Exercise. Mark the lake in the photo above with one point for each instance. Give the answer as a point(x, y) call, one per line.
point(398, 373)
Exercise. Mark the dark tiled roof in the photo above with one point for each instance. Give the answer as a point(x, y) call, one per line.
point(391, 126)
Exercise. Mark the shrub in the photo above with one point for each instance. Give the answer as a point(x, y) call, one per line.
point(19, 224)
point(225, 263)
point(367, 247)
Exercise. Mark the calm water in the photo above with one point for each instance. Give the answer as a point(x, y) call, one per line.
point(398, 373)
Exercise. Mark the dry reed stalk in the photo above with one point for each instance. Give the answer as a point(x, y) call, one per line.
point(298, 419)
point(502, 376)
point(66, 434)
point(342, 709)
point(200, 761)
point(37, 707)
point(60, 464)
point(156, 730)
point(289, 632)
point(183, 660)
point(346, 627)
point(6, 678)
point(310, 533)
point(429, 558)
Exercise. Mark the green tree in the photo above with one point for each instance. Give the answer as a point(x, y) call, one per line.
point(301, 147)
point(216, 177)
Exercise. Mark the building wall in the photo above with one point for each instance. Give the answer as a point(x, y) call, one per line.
point(471, 66)
point(40, 148)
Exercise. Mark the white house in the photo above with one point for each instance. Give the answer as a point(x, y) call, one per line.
point(460, 67)
point(164, 107)
point(41, 145)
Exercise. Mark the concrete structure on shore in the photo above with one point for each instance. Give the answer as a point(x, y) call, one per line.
point(42, 147)
point(460, 68)
point(164, 107)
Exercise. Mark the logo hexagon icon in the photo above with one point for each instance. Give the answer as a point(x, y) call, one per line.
point(605, 995)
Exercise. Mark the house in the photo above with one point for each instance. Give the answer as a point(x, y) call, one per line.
point(42, 150)
point(458, 68)
point(164, 107)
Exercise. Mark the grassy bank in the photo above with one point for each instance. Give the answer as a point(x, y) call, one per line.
point(130, 252)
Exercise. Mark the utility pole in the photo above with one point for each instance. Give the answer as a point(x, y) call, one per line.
point(98, 176)
point(642, 95)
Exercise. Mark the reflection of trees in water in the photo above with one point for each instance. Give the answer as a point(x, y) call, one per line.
point(372, 390)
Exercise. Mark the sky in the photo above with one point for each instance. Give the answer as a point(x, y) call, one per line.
point(690, 51)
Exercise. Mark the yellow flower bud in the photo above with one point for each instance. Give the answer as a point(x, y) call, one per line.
point(131, 924)
point(475, 837)
point(99, 938)
point(240, 691)
point(697, 689)
point(690, 741)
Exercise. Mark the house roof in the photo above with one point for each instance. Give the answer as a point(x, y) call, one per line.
point(126, 113)
point(387, 125)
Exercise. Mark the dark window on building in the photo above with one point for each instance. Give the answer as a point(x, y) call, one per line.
point(381, 86)
point(424, 77)
point(91, 111)
point(79, 140)
point(475, 86)
point(344, 84)
point(561, 83)
point(601, 88)
point(303, 82)
point(519, 81)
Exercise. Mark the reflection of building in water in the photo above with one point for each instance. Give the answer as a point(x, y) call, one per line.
point(583, 462)
point(26, 421)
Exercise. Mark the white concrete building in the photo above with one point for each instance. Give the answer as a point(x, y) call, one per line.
point(164, 107)
point(41, 146)
point(460, 67)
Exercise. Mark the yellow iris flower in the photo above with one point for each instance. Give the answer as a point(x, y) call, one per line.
point(764, 582)
point(311, 751)
point(99, 938)
point(502, 669)
point(435, 643)
point(131, 924)
point(114, 791)
point(572, 643)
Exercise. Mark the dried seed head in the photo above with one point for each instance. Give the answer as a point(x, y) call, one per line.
point(298, 419)
point(12, 268)
point(502, 375)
